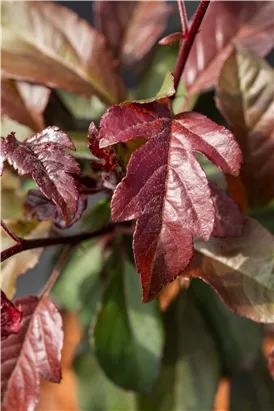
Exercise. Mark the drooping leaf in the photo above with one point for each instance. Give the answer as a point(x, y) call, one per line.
point(32, 354)
point(165, 186)
point(24, 102)
point(46, 43)
point(131, 27)
point(20, 263)
point(43, 156)
point(39, 206)
point(241, 271)
point(11, 317)
point(104, 395)
point(128, 335)
point(191, 365)
point(249, 24)
point(245, 96)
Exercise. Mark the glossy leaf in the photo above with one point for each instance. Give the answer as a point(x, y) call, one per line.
point(165, 186)
point(241, 271)
point(20, 263)
point(43, 156)
point(24, 102)
point(46, 43)
point(128, 335)
point(245, 96)
point(191, 365)
point(11, 317)
point(249, 24)
point(32, 354)
point(131, 27)
point(39, 206)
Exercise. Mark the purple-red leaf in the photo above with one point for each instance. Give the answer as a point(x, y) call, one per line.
point(131, 27)
point(165, 185)
point(46, 43)
point(228, 218)
point(245, 97)
point(32, 354)
point(43, 156)
point(249, 23)
point(39, 206)
point(24, 103)
point(107, 156)
point(11, 317)
point(241, 270)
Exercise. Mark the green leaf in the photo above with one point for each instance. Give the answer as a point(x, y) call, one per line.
point(83, 266)
point(252, 391)
point(238, 339)
point(97, 216)
point(163, 61)
point(128, 335)
point(95, 391)
point(85, 108)
point(191, 367)
point(166, 90)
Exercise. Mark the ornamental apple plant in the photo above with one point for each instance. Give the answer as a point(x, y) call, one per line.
point(148, 170)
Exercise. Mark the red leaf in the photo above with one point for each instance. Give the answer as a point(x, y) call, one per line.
point(249, 23)
point(165, 185)
point(11, 317)
point(24, 102)
point(32, 354)
point(39, 206)
point(228, 218)
point(271, 363)
point(107, 155)
point(46, 43)
point(173, 38)
point(43, 156)
point(131, 27)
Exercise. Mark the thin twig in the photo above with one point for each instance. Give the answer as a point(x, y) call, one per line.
point(52, 241)
point(183, 15)
point(56, 272)
point(187, 44)
point(10, 233)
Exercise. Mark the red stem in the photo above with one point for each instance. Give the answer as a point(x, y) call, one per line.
point(10, 233)
point(183, 15)
point(187, 44)
point(51, 241)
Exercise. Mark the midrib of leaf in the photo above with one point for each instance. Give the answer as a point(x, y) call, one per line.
point(54, 57)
